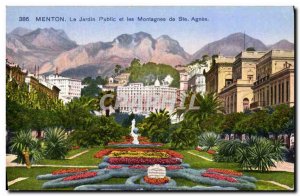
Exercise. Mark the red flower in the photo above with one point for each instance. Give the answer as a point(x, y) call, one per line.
point(156, 181)
point(198, 148)
point(211, 152)
point(81, 176)
point(66, 171)
point(174, 167)
point(102, 153)
point(225, 171)
point(219, 177)
point(144, 161)
point(114, 167)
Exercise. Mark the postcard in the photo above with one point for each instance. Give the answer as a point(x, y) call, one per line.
point(150, 98)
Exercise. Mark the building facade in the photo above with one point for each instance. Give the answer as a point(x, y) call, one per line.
point(274, 83)
point(40, 86)
point(113, 82)
point(69, 88)
point(141, 99)
point(196, 78)
point(237, 95)
point(219, 75)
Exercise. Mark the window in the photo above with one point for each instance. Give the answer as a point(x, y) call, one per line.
point(246, 104)
point(250, 77)
point(275, 94)
point(287, 91)
point(271, 95)
point(279, 93)
point(282, 91)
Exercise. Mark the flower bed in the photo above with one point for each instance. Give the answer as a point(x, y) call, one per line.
point(102, 153)
point(219, 177)
point(156, 181)
point(144, 161)
point(114, 167)
point(225, 171)
point(81, 176)
point(130, 152)
point(129, 139)
point(139, 154)
point(66, 171)
point(137, 167)
point(174, 167)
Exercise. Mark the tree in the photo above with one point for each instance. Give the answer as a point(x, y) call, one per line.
point(56, 144)
point(157, 125)
point(250, 49)
point(117, 69)
point(280, 118)
point(97, 131)
point(23, 140)
point(209, 140)
point(185, 136)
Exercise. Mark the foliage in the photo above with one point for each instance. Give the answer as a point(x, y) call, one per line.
point(56, 144)
point(92, 89)
point(124, 119)
point(24, 141)
point(257, 153)
point(147, 73)
point(208, 139)
point(156, 126)
point(97, 131)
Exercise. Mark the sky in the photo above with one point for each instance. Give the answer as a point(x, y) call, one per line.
point(269, 24)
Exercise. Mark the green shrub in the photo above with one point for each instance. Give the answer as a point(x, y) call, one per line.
point(209, 139)
point(23, 140)
point(56, 144)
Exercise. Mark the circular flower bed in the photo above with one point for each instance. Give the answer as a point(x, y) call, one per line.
point(219, 177)
point(81, 176)
point(156, 181)
point(225, 171)
point(66, 171)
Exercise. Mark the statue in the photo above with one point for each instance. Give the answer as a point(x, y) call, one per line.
point(134, 131)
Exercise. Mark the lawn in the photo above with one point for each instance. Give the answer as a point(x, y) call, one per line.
point(87, 159)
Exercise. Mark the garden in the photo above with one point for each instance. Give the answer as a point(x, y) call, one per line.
point(82, 151)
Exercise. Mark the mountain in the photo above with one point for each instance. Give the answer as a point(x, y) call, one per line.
point(36, 47)
point(230, 46)
point(51, 48)
point(282, 45)
point(20, 31)
point(101, 57)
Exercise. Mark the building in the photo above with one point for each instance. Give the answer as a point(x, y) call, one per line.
point(274, 79)
point(140, 99)
point(40, 86)
point(196, 78)
point(13, 71)
point(69, 88)
point(237, 94)
point(219, 74)
point(114, 82)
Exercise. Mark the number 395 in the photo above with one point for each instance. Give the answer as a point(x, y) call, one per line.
point(22, 19)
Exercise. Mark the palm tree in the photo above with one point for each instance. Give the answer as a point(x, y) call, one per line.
point(23, 140)
point(208, 104)
point(56, 145)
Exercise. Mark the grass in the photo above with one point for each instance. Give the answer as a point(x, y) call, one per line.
point(87, 159)
point(202, 153)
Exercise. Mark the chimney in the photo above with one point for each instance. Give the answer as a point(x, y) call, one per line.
point(38, 72)
point(34, 70)
point(56, 71)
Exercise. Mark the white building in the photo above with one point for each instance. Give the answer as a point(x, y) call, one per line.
point(69, 88)
point(141, 99)
point(196, 81)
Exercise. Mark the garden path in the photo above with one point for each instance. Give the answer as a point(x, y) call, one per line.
point(16, 180)
point(200, 156)
point(77, 155)
point(278, 184)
